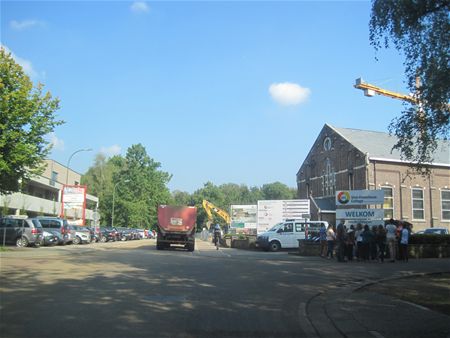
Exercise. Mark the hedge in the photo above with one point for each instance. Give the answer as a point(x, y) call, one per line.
point(430, 239)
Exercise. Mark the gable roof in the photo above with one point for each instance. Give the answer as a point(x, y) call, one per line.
point(379, 145)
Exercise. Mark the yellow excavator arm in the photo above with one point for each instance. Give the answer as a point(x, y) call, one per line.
point(209, 207)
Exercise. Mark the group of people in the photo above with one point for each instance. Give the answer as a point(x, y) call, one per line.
point(365, 243)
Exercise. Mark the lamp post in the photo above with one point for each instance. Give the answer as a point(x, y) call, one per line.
point(70, 158)
point(114, 194)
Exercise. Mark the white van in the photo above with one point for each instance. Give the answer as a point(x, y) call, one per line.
point(285, 235)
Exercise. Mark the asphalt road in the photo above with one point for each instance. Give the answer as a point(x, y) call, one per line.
point(129, 289)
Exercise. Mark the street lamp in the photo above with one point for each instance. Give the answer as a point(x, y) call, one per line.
point(114, 194)
point(70, 158)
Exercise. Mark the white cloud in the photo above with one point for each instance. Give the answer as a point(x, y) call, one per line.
point(111, 151)
point(289, 94)
point(139, 7)
point(25, 24)
point(56, 142)
point(25, 64)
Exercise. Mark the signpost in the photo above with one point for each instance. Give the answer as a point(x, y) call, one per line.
point(360, 198)
point(74, 199)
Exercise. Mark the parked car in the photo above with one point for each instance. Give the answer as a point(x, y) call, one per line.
point(82, 234)
point(115, 233)
point(50, 238)
point(95, 233)
point(106, 235)
point(58, 224)
point(436, 231)
point(20, 230)
point(126, 234)
point(285, 235)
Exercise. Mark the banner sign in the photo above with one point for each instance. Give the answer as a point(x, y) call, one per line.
point(359, 197)
point(360, 214)
point(74, 203)
point(244, 216)
point(271, 212)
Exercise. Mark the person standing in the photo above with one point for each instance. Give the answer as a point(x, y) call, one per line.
point(358, 237)
point(391, 238)
point(404, 241)
point(350, 242)
point(217, 235)
point(340, 238)
point(330, 241)
point(381, 242)
point(323, 240)
point(367, 239)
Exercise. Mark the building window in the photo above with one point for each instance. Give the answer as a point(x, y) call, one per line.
point(445, 205)
point(388, 204)
point(329, 180)
point(418, 204)
point(350, 181)
point(327, 144)
point(54, 178)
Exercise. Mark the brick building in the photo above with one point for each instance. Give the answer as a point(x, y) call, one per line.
point(351, 159)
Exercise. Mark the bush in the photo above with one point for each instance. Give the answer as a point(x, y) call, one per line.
point(430, 239)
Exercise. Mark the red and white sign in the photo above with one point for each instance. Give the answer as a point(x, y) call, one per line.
point(73, 203)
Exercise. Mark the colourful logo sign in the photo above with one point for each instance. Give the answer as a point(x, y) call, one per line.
point(343, 197)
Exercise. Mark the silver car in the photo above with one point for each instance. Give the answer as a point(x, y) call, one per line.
point(58, 224)
point(20, 230)
point(82, 234)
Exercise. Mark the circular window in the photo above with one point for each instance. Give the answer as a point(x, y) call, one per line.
point(327, 144)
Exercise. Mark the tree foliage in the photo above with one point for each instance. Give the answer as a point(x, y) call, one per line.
point(421, 31)
point(135, 183)
point(27, 114)
point(228, 194)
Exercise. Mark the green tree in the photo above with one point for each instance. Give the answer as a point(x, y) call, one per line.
point(143, 189)
point(421, 31)
point(181, 198)
point(27, 114)
point(99, 180)
point(277, 191)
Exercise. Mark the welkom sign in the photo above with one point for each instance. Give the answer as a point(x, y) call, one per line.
point(359, 197)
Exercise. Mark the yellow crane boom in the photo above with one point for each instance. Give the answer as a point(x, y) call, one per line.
point(209, 207)
point(371, 90)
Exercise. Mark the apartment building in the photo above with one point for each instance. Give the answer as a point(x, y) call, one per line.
point(42, 194)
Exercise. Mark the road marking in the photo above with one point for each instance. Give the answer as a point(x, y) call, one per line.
point(376, 334)
point(221, 251)
point(305, 323)
point(415, 305)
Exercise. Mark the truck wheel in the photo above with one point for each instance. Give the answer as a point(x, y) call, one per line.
point(159, 246)
point(190, 247)
point(274, 246)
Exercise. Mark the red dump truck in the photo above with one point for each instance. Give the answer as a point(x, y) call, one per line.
point(176, 225)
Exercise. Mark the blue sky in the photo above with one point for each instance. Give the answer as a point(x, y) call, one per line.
point(227, 92)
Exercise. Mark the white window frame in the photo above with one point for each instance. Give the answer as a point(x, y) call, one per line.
point(423, 203)
point(442, 205)
point(393, 199)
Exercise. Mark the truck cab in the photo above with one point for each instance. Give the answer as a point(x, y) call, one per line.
point(285, 235)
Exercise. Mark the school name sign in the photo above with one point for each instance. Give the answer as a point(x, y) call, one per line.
point(359, 197)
